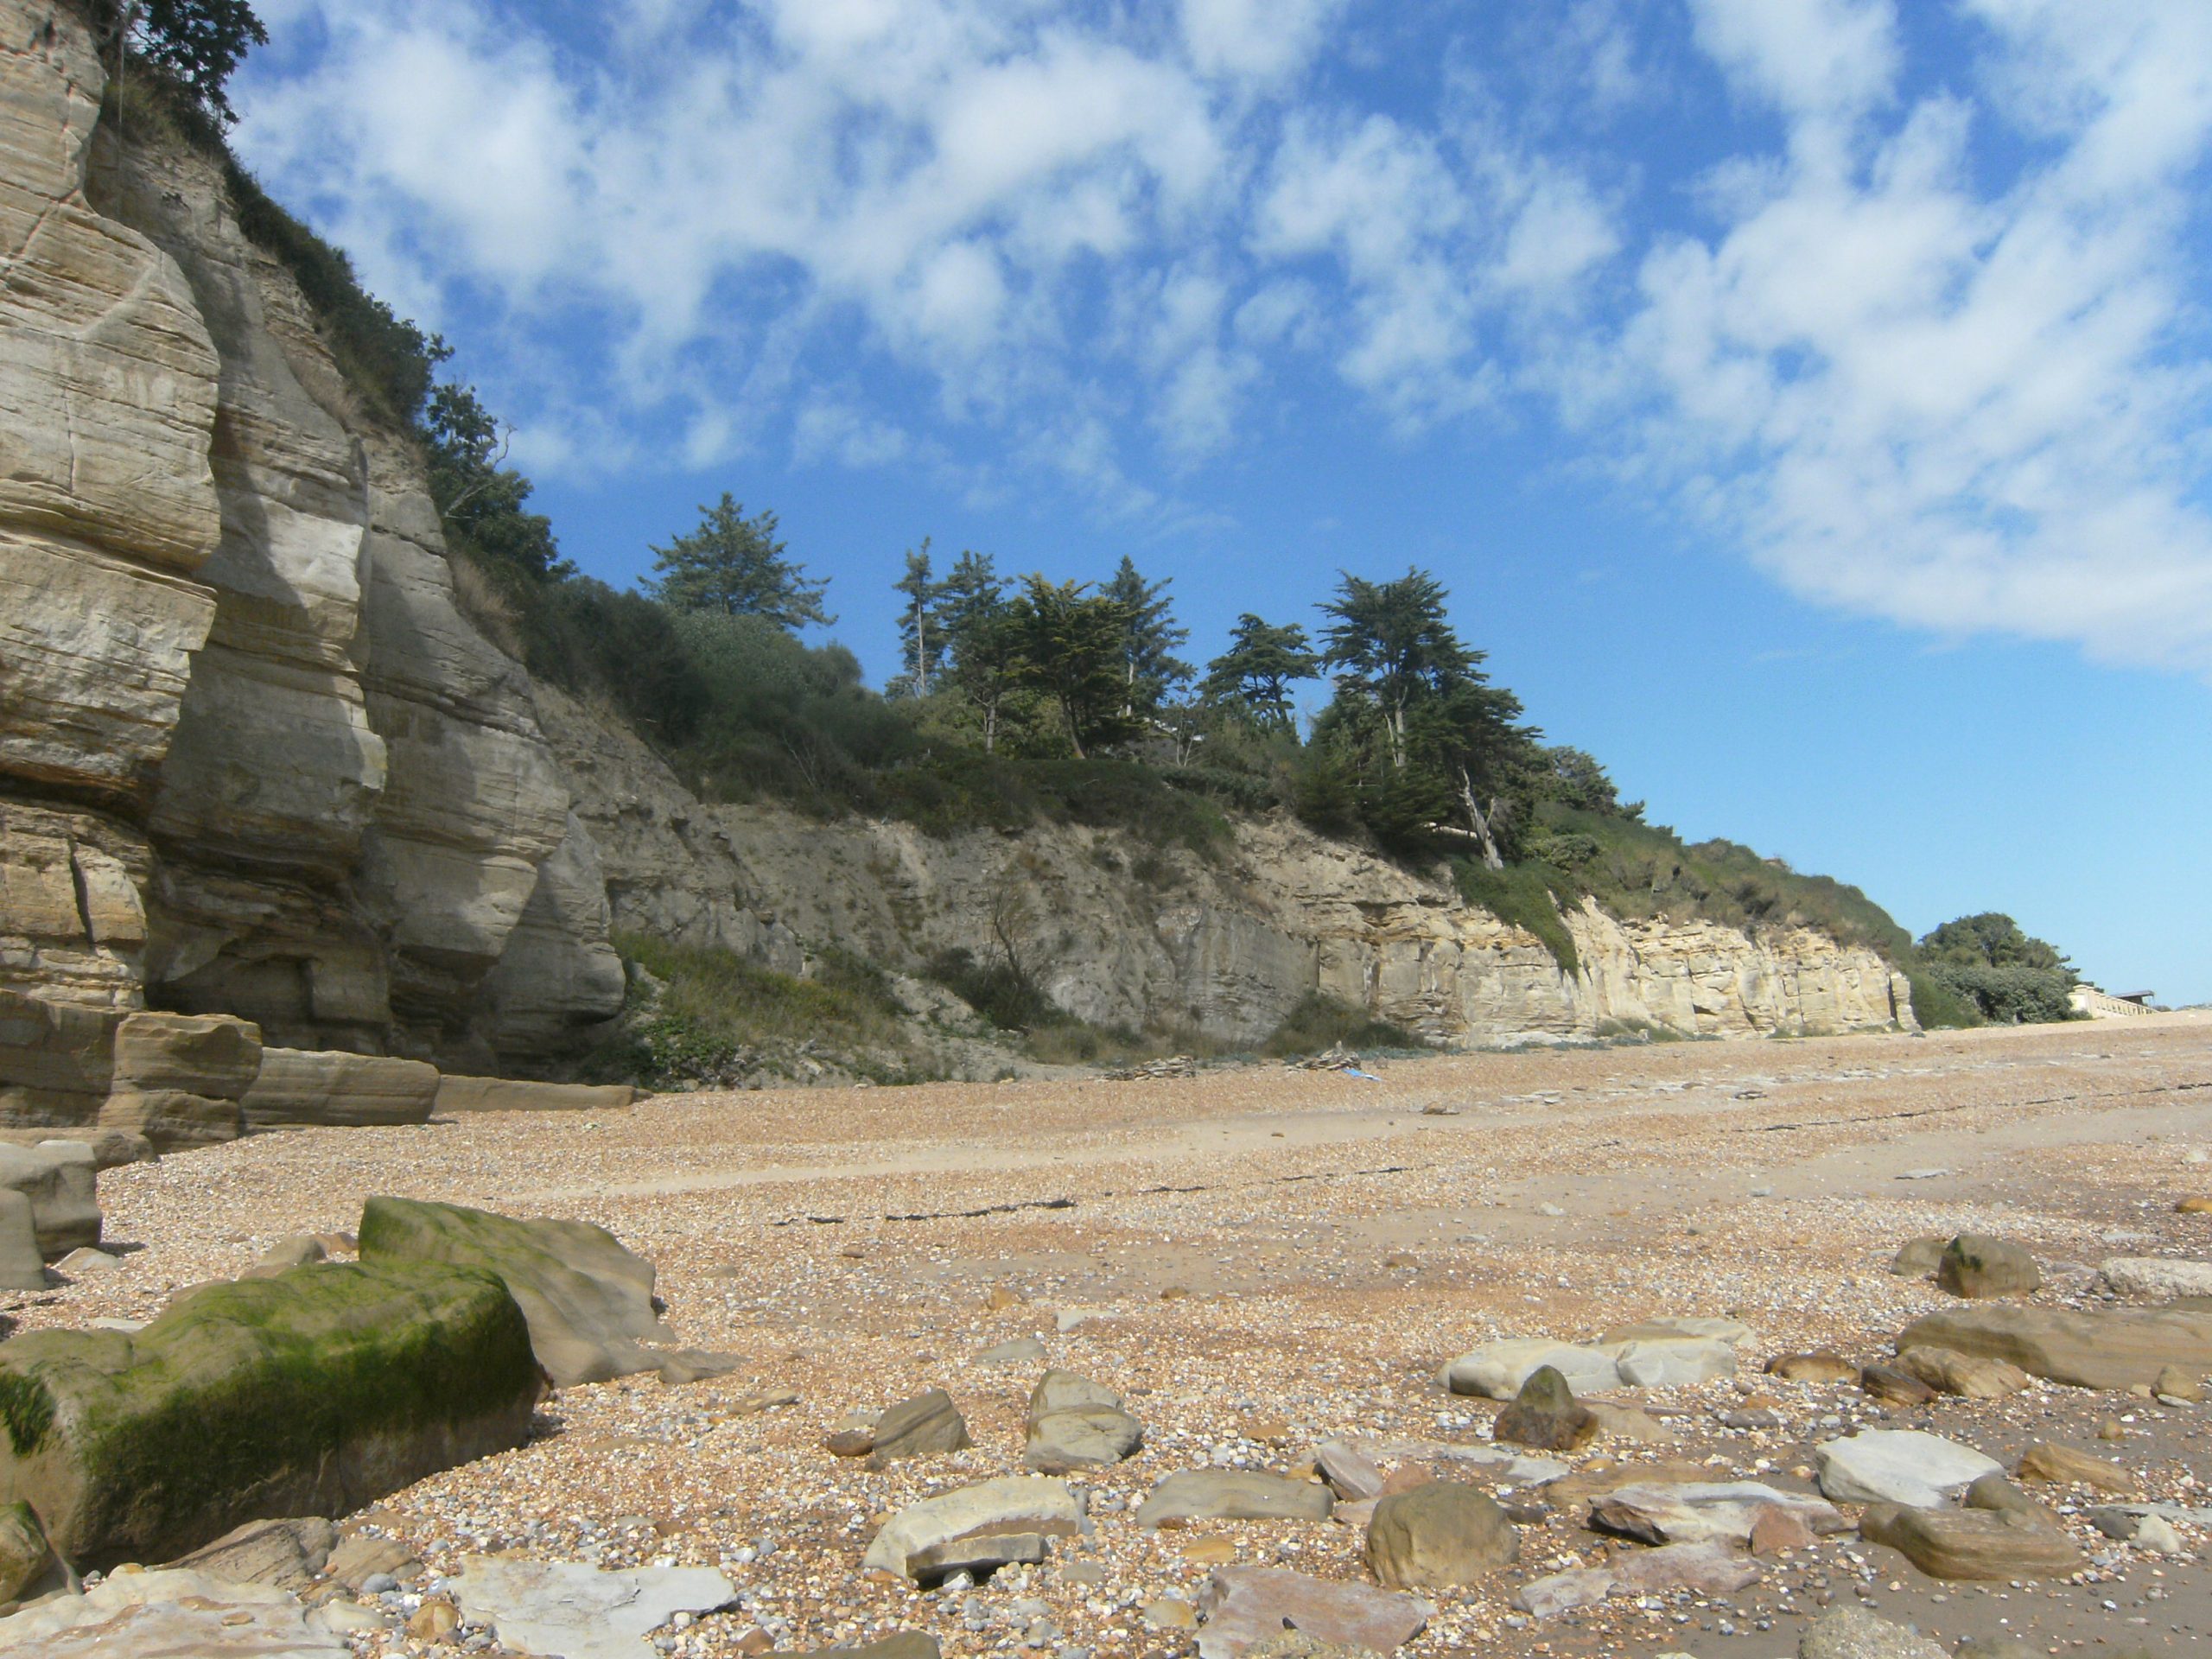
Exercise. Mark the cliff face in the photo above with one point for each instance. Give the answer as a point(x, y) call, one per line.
point(1124, 935)
point(253, 760)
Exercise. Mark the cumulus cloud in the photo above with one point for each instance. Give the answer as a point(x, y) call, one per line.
point(1925, 340)
point(1959, 408)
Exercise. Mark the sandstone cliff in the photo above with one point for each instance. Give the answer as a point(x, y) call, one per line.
point(256, 760)
point(1130, 936)
point(253, 760)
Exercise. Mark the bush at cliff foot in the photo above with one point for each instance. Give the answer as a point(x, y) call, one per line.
point(704, 1016)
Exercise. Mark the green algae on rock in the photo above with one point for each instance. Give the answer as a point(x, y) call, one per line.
point(589, 1301)
point(313, 1392)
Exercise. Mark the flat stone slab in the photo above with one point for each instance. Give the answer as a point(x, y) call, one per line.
point(1704, 1511)
point(1496, 1370)
point(465, 1094)
point(2118, 1349)
point(1899, 1465)
point(1670, 1328)
point(1244, 1605)
point(172, 1611)
point(576, 1610)
point(1232, 1495)
point(984, 1554)
point(1708, 1568)
point(1075, 1423)
point(1013, 1503)
point(1973, 1544)
point(2155, 1278)
point(1514, 1468)
point(1671, 1361)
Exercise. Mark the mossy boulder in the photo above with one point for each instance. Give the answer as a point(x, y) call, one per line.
point(313, 1393)
point(589, 1301)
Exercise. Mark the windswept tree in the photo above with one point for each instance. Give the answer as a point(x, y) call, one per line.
point(922, 641)
point(1150, 669)
point(1451, 743)
point(1072, 645)
point(736, 566)
point(1255, 675)
point(1391, 644)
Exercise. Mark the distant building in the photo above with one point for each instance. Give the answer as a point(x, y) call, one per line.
point(2108, 1004)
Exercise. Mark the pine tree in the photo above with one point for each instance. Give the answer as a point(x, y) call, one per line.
point(1449, 739)
point(985, 661)
point(1392, 643)
point(921, 630)
point(1256, 671)
point(1149, 666)
point(1073, 648)
point(735, 565)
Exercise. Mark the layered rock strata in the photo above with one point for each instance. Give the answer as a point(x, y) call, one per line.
point(1127, 935)
point(254, 760)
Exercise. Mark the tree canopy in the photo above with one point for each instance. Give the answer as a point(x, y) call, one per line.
point(195, 44)
point(1150, 635)
point(736, 566)
point(1074, 648)
point(1255, 675)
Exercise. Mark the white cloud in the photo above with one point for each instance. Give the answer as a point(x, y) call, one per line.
point(1259, 39)
point(1934, 355)
point(1958, 409)
point(1811, 58)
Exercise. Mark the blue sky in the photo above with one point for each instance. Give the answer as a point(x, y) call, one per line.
point(1804, 400)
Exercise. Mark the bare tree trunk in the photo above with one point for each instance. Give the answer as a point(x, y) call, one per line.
point(1479, 822)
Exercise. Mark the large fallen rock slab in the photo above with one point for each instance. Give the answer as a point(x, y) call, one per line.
point(1973, 1544)
point(300, 1088)
point(1011, 1505)
point(1899, 1465)
point(315, 1392)
point(57, 1058)
point(1708, 1569)
point(2121, 1348)
point(1496, 1370)
point(1441, 1534)
point(466, 1094)
point(58, 1178)
point(589, 1301)
point(1697, 1512)
point(176, 1614)
point(1232, 1495)
point(1074, 1423)
point(179, 1077)
point(1245, 1605)
point(576, 1609)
